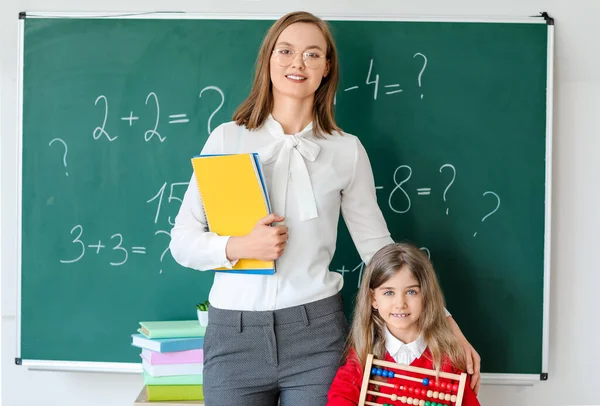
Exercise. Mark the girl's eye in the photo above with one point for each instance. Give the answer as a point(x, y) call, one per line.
point(284, 51)
point(388, 293)
point(312, 55)
point(412, 292)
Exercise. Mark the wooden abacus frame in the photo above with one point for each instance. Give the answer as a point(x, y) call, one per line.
point(371, 361)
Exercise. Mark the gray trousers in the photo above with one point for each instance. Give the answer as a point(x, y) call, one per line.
point(259, 358)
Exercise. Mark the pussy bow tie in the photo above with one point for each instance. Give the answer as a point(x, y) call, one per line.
point(289, 152)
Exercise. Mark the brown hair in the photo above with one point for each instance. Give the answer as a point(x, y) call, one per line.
point(253, 112)
point(367, 335)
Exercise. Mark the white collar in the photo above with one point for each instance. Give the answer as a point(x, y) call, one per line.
point(401, 352)
point(289, 152)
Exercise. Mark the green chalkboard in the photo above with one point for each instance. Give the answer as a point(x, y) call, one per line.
point(452, 114)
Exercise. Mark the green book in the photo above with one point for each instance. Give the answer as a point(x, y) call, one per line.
point(172, 329)
point(174, 392)
point(172, 380)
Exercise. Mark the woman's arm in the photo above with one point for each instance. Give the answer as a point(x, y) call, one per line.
point(472, 357)
point(192, 245)
point(361, 212)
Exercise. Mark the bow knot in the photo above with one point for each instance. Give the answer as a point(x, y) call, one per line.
point(289, 152)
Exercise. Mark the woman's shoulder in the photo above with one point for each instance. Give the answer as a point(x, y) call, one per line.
point(341, 142)
point(229, 127)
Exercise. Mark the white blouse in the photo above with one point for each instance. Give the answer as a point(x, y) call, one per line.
point(309, 180)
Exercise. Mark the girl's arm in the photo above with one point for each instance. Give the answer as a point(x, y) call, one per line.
point(345, 389)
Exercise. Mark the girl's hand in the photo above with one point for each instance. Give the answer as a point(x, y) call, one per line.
point(264, 242)
point(472, 357)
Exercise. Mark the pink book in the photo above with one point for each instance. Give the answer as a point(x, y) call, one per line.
point(176, 357)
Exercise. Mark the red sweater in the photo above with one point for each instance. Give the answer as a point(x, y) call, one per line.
point(345, 389)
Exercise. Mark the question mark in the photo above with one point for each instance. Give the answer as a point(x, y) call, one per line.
point(65, 155)
point(493, 211)
point(422, 69)
point(166, 249)
point(220, 105)
point(451, 182)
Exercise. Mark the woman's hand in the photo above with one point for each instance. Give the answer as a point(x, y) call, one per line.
point(264, 242)
point(472, 357)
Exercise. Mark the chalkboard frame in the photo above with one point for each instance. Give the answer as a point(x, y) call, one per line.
point(493, 378)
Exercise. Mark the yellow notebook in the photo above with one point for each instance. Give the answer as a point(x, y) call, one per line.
point(235, 197)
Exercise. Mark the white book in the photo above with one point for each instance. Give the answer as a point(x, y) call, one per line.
point(172, 369)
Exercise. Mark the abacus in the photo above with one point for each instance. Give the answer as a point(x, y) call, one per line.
point(428, 392)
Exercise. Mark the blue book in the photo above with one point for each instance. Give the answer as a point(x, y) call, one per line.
point(167, 344)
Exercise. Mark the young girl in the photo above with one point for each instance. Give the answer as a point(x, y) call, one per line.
point(280, 337)
point(399, 317)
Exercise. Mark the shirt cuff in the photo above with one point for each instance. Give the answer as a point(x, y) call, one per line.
point(448, 314)
point(220, 247)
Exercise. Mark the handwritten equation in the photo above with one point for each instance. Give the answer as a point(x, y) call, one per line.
point(400, 202)
point(101, 131)
point(118, 252)
point(391, 88)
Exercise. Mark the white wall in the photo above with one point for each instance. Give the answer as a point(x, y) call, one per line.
point(575, 297)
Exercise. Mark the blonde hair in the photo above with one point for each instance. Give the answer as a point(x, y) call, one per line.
point(253, 112)
point(367, 334)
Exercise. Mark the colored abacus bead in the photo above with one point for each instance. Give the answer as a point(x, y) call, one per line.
point(455, 388)
point(427, 403)
point(425, 381)
point(379, 371)
point(447, 397)
point(373, 371)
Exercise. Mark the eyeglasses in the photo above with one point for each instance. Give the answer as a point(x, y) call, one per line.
point(285, 57)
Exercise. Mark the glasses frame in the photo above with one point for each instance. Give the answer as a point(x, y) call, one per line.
point(303, 53)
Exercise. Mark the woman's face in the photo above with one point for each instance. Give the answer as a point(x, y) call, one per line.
point(295, 79)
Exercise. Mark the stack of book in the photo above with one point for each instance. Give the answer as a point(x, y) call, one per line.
point(234, 196)
point(172, 359)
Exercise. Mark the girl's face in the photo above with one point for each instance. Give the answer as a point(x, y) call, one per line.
point(399, 302)
point(291, 75)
